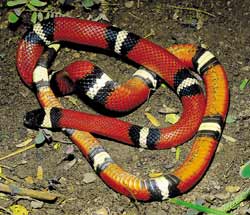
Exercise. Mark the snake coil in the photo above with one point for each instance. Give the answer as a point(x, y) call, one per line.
point(203, 113)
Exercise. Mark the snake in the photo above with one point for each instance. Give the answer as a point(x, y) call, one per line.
point(204, 113)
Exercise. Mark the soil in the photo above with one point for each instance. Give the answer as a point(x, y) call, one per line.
point(226, 34)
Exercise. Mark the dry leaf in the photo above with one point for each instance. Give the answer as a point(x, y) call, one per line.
point(155, 174)
point(167, 110)
point(152, 119)
point(228, 138)
point(18, 210)
point(232, 189)
point(39, 173)
point(24, 143)
point(29, 180)
point(57, 146)
point(172, 118)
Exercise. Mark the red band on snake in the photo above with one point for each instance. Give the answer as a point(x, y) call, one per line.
point(166, 66)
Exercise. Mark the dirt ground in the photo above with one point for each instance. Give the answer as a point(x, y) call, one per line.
point(226, 34)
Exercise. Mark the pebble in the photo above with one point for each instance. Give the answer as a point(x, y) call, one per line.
point(132, 211)
point(244, 210)
point(76, 55)
point(102, 211)
point(36, 204)
point(135, 158)
point(70, 164)
point(89, 178)
point(222, 196)
point(220, 147)
point(129, 4)
point(245, 69)
point(63, 181)
point(173, 149)
point(209, 198)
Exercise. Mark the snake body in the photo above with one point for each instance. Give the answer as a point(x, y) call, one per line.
point(161, 63)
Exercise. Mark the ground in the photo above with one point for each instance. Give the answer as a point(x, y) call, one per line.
point(226, 34)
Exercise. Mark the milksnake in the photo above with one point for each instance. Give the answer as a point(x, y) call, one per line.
point(174, 70)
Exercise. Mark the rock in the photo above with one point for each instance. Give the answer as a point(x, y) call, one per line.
point(36, 204)
point(129, 4)
point(89, 178)
point(220, 147)
point(70, 164)
point(173, 149)
point(63, 181)
point(132, 211)
point(76, 55)
point(244, 210)
point(209, 197)
point(245, 69)
point(222, 196)
point(102, 211)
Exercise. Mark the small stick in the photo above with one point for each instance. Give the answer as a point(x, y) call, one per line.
point(134, 15)
point(18, 151)
point(41, 195)
point(138, 3)
point(6, 210)
point(191, 9)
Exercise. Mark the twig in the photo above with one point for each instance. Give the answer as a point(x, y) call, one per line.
point(6, 210)
point(133, 15)
point(41, 195)
point(6, 167)
point(18, 151)
point(6, 178)
point(191, 9)
point(138, 3)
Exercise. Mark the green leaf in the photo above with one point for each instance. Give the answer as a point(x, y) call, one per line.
point(47, 15)
point(31, 7)
point(34, 17)
point(87, 3)
point(18, 11)
point(38, 3)
point(245, 170)
point(177, 153)
point(172, 118)
point(231, 119)
point(244, 83)
point(40, 138)
point(16, 3)
point(12, 18)
point(40, 16)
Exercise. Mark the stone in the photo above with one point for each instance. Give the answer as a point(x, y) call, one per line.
point(129, 4)
point(89, 178)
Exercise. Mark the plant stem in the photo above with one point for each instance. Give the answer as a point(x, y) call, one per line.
point(197, 207)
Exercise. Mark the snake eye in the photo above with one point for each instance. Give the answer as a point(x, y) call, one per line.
point(34, 119)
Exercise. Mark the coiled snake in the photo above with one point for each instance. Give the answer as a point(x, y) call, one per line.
point(202, 113)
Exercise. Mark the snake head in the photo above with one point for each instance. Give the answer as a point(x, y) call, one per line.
point(34, 119)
